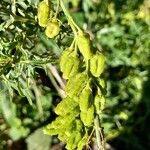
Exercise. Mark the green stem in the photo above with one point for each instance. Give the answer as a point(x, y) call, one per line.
point(57, 9)
point(87, 66)
point(70, 20)
point(97, 127)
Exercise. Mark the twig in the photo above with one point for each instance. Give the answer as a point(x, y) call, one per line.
point(98, 134)
point(56, 75)
point(59, 90)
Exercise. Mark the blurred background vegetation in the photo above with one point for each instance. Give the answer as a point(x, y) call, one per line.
point(120, 28)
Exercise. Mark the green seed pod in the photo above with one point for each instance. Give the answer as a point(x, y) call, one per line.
point(76, 84)
point(79, 125)
point(70, 142)
point(78, 138)
point(84, 45)
point(97, 64)
point(43, 13)
point(64, 57)
point(54, 128)
point(52, 131)
point(65, 106)
point(85, 98)
point(66, 130)
point(68, 118)
point(83, 142)
point(78, 133)
point(99, 103)
point(52, 28)
point(101, 83)
point(88, 116)
point(72, 66)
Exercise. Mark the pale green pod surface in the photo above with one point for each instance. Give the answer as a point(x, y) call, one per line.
point(69, 118)
point(101, 82)
point(85, 98)
point(52, 28)
point(99, 103)
point(102, 102)
point(64, 58)
point(70, 142)
point(62, 137)
point(71, 67)
point(65, 106)
point(88, 117)
point(79, 124)
point(77, 138)
point(54, 128)
point(83, 116)
point(97, 64)
point(79, 132)
point(76, 84)
point(43, 13)
point(50, 131)
point(83, 142)
point(84, 45)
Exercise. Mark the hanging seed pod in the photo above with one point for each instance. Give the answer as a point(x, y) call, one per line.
point(43, 13)
point(97, 64)
point(70, 142)
point(88, 116)
point(83, 142)
point(101, 83)
point(71, 67)
point(52, 28)
point(78, 133)
point(85, 98)
point(84, 45)
point(66, 103)
point(51, 131)
point(64, 58)
point(76, 84)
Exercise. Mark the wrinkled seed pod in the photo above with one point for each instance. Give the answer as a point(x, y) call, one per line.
point(70, 142)
point(83, 142)
point(78, 138)
point(52, 131)
point(101, 82)
point(43, 13)
point(97, 64)
point(79, 124)
point(76, 84)
point(99, 102)
point(84, 45)
point(71, 67)
point(88, 116)
point(63, 59)
point(65, 106)
point(85, 98)
point(52, 28)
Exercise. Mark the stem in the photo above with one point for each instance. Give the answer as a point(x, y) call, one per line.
point(87, 66)
point(56, 75)
point(59, 90)
point(70, 20)
point(97, 126)
point(57, 9)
